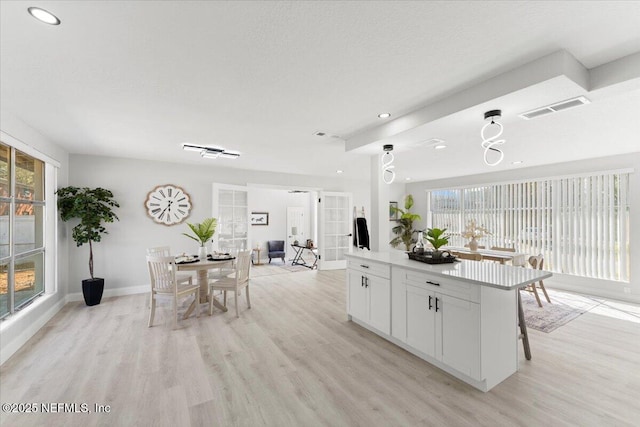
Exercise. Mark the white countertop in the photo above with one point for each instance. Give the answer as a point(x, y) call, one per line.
point(483, 273)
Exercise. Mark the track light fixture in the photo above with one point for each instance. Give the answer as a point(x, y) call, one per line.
point(211, 152)
point(488, 143)
point(388, 175)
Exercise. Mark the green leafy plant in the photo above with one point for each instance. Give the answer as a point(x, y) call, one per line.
point(404, 229)
point(203, 231)
point(93, 207)
point(437, 238)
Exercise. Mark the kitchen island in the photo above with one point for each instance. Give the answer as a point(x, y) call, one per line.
point(461, 317)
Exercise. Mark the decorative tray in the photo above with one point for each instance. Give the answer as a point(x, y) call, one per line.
point(428, 259)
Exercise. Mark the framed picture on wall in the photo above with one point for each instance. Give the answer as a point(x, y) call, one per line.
point(393, 211)
point(259, 218)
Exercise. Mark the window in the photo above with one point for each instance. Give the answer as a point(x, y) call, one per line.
point(580, 224)
point(22, 209)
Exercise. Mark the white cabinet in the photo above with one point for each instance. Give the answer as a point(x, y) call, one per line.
point(441, 326)
point(369, 294)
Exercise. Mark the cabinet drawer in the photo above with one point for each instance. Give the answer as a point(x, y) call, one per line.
point(369, 267)
point(443, 285)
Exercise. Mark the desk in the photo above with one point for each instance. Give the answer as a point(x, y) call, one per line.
point(201, 268)
point(516, 258)
point(299, 260)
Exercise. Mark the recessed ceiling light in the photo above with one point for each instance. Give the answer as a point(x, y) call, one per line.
point(339, 171)
point(439, 146)
point(43, 16)
point(407, 179)
point(384, 115)
point(517, 162)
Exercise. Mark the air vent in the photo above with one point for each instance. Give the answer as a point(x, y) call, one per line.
point(554, 108)
point(297, 191)
point(323, 134)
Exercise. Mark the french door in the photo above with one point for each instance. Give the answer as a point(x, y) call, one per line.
point(336, 229)
point(231, 208)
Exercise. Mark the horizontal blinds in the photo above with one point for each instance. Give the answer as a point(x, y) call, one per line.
point(580, 224)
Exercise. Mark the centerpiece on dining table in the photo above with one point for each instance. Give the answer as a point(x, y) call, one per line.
point(473, 231)
point(203, 232)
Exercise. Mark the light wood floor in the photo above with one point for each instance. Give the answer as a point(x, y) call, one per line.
point(294, 360)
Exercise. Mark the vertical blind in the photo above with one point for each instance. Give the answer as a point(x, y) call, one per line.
point(580, 224)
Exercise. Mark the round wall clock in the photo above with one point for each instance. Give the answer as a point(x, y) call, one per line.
point(168, 204)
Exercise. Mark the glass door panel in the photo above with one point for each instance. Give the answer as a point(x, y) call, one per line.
point(336, 227)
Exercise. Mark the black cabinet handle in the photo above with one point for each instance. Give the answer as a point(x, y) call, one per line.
point(433, 283)
point(361, 280)
point(366, 282)
point(430, 298)
point(364, 266)
point(436, 304)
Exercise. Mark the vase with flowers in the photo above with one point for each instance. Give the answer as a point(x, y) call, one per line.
point(473, 231)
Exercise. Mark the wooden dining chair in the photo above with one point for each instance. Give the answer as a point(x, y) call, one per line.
point(235, 283)
point(166, 251)
point(162, 272)
point(537, 262)
point(471, 256)
point(517, 261)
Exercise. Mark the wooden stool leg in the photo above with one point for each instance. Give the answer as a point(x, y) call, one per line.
point(523, 329)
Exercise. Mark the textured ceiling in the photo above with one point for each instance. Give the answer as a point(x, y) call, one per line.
point(136, 79)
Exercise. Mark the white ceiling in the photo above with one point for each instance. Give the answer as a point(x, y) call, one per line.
point(138, 78)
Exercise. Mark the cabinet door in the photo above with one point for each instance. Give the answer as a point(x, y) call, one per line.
point(459, 344)
point(379, 303)
point(357, 296)
point(421, 320)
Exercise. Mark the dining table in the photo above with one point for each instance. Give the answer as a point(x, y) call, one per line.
point(202, 267)
point(515, 258)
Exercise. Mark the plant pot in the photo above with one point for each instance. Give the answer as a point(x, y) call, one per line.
point(202, 252)
point(473, 244)
point(92, 290)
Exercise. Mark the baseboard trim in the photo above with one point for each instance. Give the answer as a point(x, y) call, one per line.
point(108, 293)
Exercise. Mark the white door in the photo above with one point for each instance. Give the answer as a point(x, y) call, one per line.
point(335, 230)
point(297, 228)
point(459, 345)
point(421, 319)
point(231, 208)
point(379, 303)
point(357, 296)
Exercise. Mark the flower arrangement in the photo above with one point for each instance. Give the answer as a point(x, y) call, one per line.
point(474, 231)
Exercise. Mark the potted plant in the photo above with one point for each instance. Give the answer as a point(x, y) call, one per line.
point(93, 207)
point(404, 229)
point(203, 232)
point(437, 238)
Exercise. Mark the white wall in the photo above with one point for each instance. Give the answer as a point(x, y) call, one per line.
point(18, 328)
point(119, 258)
point(620, 290)
point(276, 203)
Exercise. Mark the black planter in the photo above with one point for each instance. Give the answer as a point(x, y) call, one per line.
point(92, 290)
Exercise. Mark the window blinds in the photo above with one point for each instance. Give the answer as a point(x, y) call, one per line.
point(580, 224)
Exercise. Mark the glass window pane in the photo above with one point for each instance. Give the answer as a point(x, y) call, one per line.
point(5, 170)
point(29, 274)
point(29, 173)
point(4, 295)
point(28, 233)
point(4, 229)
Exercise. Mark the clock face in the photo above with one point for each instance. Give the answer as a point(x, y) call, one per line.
point(168, 204)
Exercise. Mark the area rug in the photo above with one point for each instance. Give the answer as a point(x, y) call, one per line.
point(294, 268)
point(564, 307)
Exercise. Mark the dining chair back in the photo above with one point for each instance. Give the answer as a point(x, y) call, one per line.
point(162, 273)
point(537, 262)
point(234, 283)
point(166, 251)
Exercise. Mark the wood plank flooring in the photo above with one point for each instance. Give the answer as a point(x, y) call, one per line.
point(294, 360)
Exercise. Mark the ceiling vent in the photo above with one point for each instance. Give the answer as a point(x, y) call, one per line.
point(297, 191)
point(323, 134)
point(554, 108)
